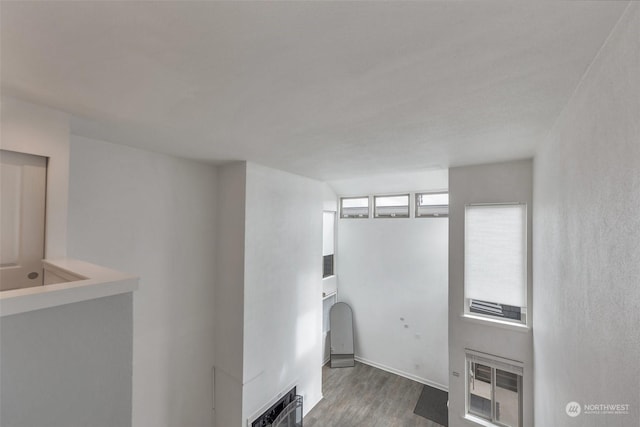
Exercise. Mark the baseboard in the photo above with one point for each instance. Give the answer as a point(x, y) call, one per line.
point(325, 361)
point(403, 374)
point(307, 406)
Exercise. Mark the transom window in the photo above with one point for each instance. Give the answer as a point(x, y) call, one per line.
point(432, 205)
point(354, 207)
point(391, 206)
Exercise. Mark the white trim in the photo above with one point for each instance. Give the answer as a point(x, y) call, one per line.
point(331, 294)
point(477, 420)
point(493, 361)
point(495, 322)
point(403, 374)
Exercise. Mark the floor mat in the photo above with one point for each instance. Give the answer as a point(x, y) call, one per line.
point(432, 405)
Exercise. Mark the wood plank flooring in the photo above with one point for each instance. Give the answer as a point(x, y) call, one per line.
point(364, 396)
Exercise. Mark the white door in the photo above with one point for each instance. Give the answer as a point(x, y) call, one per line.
point(23, 184)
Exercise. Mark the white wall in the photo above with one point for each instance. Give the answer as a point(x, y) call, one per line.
point(229, 294)
point(393, 268)
point(492, 183)
point(586, 242)
point(67, 366)
point(435, 179)
point(34, 129)
point(154, 215)
point(329, 198)
point(283, 287)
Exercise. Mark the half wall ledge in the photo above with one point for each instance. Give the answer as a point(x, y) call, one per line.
point(67, 281)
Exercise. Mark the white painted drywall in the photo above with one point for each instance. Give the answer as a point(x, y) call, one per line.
point(392, 269)
point(154, 215)
point(283, 287)
point(586, 242)
point(491, 183)
point(229, 294)
point(400, 182)
point(68, 366)
point(329, 198)
point(34, 129)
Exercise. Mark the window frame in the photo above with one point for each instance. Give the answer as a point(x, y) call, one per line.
point(375, 207)
point(417, 205)
point(495, 363)
point(355, 217)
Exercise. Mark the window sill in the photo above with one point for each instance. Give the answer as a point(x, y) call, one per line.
point(329, 295)
point(479, 421)
point(496, 323)
point(80, 281)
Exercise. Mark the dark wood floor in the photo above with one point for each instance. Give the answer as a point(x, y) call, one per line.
point(364, 396)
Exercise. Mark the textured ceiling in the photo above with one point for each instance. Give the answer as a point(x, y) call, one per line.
point(328, 90)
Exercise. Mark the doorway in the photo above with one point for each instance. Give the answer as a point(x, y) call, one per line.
point(23, 185)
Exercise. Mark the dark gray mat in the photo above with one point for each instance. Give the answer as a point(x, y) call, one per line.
point(432, 405)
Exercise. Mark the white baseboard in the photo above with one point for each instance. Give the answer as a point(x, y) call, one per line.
point(403, 374)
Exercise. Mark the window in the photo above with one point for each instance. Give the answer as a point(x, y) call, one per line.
point(328, 246)
point(391, 206)
point(494, 389)
point(432, 205)
point(495, 265)
point(327, 266)
point(354, 207)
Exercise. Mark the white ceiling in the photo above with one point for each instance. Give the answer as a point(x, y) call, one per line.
point(329, 90)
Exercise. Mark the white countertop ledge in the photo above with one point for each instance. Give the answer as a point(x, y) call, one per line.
point(90, 282)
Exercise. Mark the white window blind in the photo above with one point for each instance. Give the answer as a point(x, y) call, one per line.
point(496, 253)
point(328, 230)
